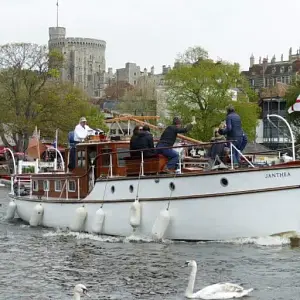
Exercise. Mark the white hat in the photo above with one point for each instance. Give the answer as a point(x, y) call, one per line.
point(82, 119)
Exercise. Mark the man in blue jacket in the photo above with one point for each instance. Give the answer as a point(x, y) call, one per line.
point(234, 131)
point(168, 139)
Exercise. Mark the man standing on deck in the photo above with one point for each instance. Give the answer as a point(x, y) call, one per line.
point(234, 131)
point(82, 130)
point(168, 139)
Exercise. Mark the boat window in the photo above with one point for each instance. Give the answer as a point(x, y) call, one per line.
point(172, 186)
point(46, 185)
point(81, 158)
point(224, 182)
point(57, 185)
point(131, 188)
point(72, 186)
point(105, 157)
point(122, 152)
point(35, 184)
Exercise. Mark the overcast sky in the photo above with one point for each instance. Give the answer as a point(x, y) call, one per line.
point(152, 32)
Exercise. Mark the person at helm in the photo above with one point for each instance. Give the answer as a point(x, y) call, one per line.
point(168, 139)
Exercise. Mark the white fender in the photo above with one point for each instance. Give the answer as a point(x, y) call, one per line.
point(79, 219)
point(161, 224)
point(37, 215)
point(135, 214)
point(11, 209)
point(99, 220)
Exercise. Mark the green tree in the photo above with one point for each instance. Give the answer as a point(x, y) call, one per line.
point(31, 95)
point(140, 100)
point(291, 95)
point(203, 88)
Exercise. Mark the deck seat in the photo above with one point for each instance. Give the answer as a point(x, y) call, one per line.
point(152, 165)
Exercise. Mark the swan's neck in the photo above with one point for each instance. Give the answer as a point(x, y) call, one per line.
point(76, 296)
point(190, 287)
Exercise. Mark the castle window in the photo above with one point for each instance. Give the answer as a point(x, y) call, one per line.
point(290, 68)
point(273, 70)
point(282, 69)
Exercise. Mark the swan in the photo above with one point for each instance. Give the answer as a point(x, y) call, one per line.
point(79, 290)
point(215, 291)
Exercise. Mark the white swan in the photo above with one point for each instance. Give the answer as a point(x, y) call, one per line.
point(79, 290)
point(215, 291)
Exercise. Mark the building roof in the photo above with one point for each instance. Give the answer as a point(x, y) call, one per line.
point(279, 90)
point(255, 148)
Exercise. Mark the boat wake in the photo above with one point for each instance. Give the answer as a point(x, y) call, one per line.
point(104, 238)
point(268, 241)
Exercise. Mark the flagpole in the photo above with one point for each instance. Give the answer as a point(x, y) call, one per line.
point(57, 14)
point(56, 145)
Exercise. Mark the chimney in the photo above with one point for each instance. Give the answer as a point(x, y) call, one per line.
point(152, 70)
point(252, 60)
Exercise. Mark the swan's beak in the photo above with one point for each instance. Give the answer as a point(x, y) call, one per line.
point(186, 264)
point(86, 293)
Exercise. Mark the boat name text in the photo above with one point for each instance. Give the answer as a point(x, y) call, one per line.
point(278, 175)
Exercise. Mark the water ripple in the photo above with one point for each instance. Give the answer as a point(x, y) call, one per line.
point(39, 263)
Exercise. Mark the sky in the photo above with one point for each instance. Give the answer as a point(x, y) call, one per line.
point(153, 32)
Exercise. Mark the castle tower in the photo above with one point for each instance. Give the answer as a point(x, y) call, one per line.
point(56, 33)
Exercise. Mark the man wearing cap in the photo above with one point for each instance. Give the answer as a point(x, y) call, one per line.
point(82, 130)
point(168, 139)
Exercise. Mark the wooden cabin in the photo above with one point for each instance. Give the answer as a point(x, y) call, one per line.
point(104, 158)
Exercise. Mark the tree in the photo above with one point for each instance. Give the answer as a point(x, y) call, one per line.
point(141, 100)
point(192, 55)
point(291, 95)
point(203, 88)
point(31, 95)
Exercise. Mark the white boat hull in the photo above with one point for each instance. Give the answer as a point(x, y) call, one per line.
point(254, 203)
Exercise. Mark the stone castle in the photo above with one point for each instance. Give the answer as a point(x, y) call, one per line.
point(84, 64)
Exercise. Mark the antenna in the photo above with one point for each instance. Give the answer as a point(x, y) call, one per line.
point(57, 13)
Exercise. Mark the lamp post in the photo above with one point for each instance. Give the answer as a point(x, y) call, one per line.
point(290, 129)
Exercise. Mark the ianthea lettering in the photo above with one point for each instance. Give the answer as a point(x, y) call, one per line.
point(278, 175)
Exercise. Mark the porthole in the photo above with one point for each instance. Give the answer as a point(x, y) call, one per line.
point(172, 186)
point(112, 189)
point(224, 182)
point(131, 188)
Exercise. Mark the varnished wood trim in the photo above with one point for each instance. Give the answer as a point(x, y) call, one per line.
point(72, 201)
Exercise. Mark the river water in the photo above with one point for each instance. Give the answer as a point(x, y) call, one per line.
point(40, 263)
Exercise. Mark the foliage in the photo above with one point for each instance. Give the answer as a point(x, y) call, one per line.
point(141, 100)
point(203, 89)
point(294, 118)
point(31, 95)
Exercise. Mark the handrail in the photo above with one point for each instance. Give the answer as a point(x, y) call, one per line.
point(70, 175)
point(156, 148)
point(290, 129)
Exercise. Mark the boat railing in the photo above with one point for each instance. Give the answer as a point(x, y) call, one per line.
point(23, 187)
point(240, 153)
point(23, 184)
point(142, 157)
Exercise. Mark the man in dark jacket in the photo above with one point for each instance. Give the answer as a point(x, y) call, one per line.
point(168, 139)
point(143, 140)
point(234, 131)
